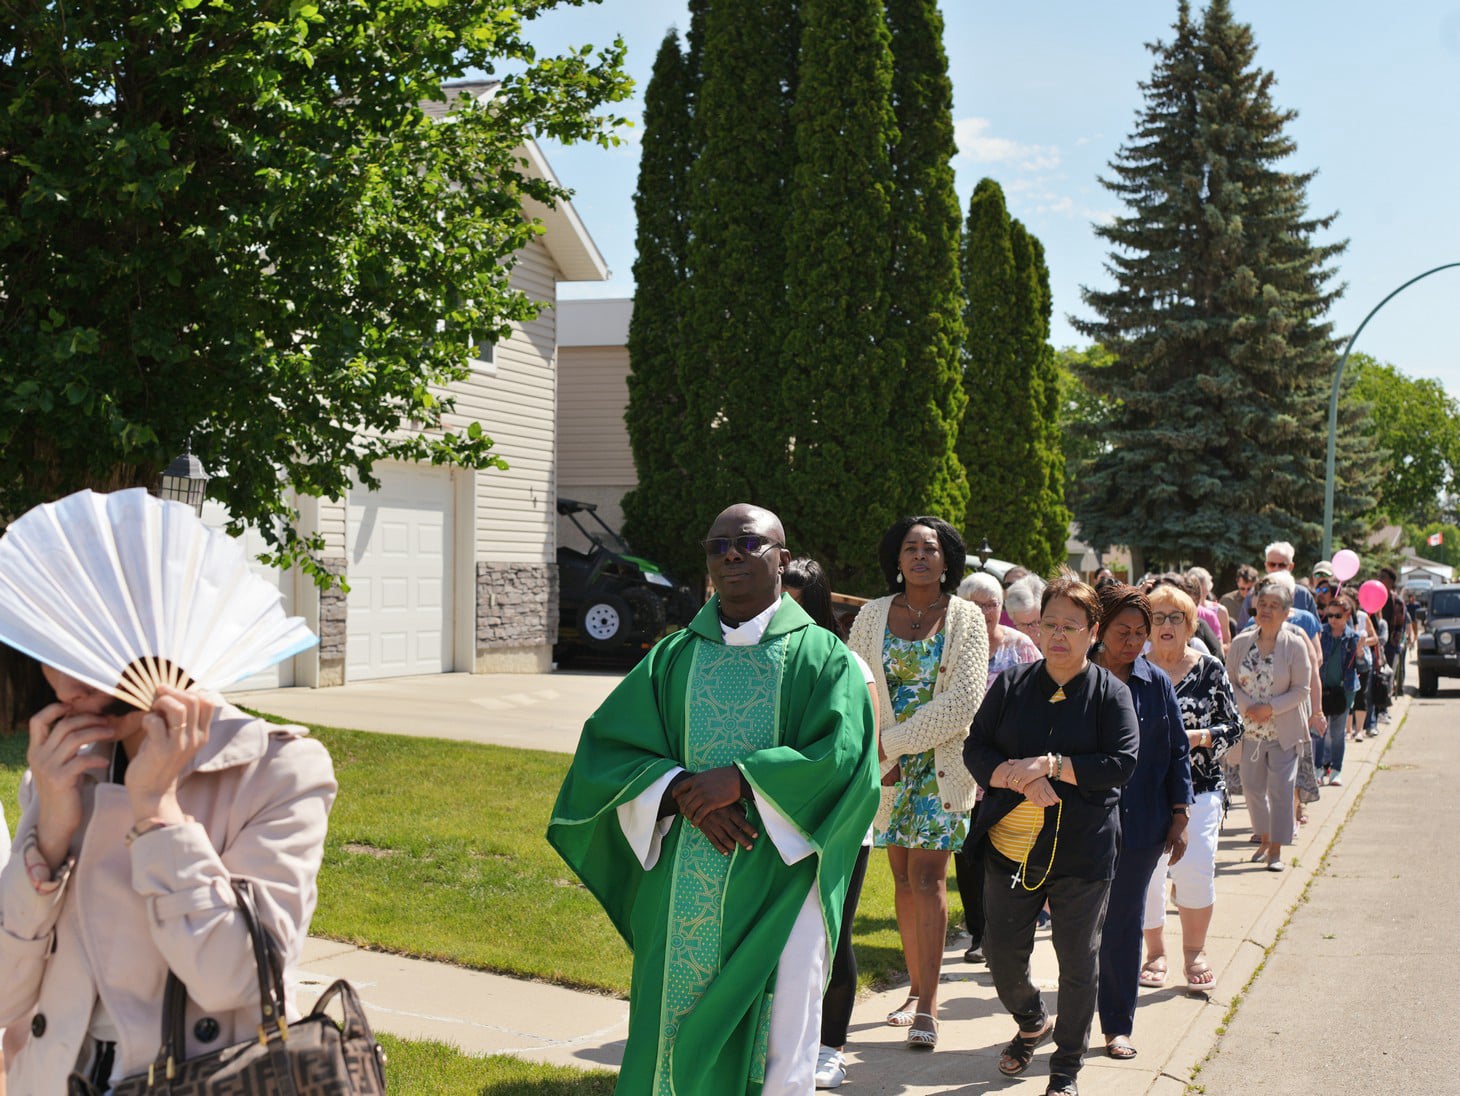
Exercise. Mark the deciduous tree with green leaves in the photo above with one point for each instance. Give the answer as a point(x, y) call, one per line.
point(234, 223)
point(1417, 425)
point(1223, 358)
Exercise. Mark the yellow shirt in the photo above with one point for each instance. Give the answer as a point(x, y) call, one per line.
point(1015, 833)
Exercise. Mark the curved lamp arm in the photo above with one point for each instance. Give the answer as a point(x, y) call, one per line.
point(1333, 409)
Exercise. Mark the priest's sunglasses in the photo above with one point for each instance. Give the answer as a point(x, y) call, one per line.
point(747, 544)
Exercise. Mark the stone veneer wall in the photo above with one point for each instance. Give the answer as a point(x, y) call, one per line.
point(517, 605)
point(332, 619)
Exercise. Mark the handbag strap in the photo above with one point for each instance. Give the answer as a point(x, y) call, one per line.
point(271, 1002)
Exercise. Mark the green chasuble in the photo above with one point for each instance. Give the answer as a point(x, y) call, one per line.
point(707, 930)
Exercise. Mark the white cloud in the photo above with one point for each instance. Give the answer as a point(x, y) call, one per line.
point(976, 142)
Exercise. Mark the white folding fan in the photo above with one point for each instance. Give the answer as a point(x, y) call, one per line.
point(127, 592)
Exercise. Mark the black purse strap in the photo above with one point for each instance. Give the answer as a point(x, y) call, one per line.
point(271, 1003)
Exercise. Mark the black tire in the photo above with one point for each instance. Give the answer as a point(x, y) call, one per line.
point(1429, 682)
point(604, 622)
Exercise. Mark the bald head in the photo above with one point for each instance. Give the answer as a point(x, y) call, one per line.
point(749, 518)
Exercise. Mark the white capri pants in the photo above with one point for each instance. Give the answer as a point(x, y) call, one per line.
point(1194, 876)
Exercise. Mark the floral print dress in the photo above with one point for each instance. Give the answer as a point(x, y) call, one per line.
point(919, 820)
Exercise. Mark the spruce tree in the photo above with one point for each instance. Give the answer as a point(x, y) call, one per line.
point(1013, 398)
point(924, 336)
point(734, 311)
point(839, 496)
point(1223, 357)
point(655, 509)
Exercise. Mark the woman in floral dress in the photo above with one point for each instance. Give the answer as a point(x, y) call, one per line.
point(933, 652)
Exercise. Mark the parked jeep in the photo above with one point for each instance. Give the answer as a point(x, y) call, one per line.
point(610, 600)
point(1439, 643)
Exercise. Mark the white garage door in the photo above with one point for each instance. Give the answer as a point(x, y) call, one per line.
point(281, 674)
point(399, 568)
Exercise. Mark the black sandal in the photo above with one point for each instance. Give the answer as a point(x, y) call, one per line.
point(1021, 1048)
point(1061, 1084)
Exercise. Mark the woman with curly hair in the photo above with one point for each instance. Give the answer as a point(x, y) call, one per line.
point(932, 651)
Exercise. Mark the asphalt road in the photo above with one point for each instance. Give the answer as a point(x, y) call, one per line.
point(1358, 995)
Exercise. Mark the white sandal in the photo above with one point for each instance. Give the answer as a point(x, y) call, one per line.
point(920, 1038)
point(903, 1015)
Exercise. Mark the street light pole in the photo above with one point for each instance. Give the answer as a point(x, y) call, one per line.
point(1333, 409)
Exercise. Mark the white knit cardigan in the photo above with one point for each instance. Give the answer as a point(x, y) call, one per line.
point(940, 725)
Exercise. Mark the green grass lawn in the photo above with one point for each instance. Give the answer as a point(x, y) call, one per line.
point(436, 850)
point(429, 1068)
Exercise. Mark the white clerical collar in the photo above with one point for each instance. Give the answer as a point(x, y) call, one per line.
point(749, 633)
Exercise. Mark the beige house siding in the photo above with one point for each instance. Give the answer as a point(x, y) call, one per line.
point(593, 444)
point(595, 462)
point(516, 404)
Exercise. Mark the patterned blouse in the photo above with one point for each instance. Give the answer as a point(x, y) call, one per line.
point(1255, 677)
point(1205, 698)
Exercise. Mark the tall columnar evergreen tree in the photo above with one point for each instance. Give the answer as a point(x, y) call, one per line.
point(1049, 517)
point(656, 418)
point(924, 334)
point(1013, 398)
point(1216, 320)
point(734, 312)
point(839, 495)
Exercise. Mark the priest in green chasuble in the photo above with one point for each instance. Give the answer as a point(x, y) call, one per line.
point(715, 807)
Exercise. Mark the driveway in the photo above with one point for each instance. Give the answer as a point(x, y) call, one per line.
point(531, 711)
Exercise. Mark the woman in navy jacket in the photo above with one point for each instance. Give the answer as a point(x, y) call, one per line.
point(1153, 805)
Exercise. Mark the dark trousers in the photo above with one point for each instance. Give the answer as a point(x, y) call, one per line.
point(841, 991)
point(1077, 911)
point(968, 866)
point(1120, 942)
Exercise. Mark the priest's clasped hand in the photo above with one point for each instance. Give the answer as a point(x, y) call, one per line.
point(704, 792)
point(727, 827)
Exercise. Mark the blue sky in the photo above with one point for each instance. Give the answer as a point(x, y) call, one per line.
point(1044, 94)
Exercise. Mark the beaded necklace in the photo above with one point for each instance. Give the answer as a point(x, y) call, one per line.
point(1021, 876)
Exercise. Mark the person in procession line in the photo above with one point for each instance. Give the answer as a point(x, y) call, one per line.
point(716, 806)
point(934, 655)
point(1153, 805)
point(1213, 726)
point(1053, 744)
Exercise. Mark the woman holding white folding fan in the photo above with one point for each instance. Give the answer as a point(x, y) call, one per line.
point(137, 821)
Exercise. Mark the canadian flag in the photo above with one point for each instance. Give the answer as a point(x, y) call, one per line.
point(1436, 539)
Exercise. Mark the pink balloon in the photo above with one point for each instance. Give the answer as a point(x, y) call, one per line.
point(1345, 565)
point(1372, 595)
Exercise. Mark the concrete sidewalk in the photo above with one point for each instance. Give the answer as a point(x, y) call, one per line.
point(486, 1013)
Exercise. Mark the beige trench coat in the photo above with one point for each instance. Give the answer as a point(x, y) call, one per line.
point(260, 796)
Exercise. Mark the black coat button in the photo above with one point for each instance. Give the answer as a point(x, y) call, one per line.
point(38, 1024)
point(205, 1030)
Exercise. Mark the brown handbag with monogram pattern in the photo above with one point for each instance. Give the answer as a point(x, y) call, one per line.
point(314, 1056)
